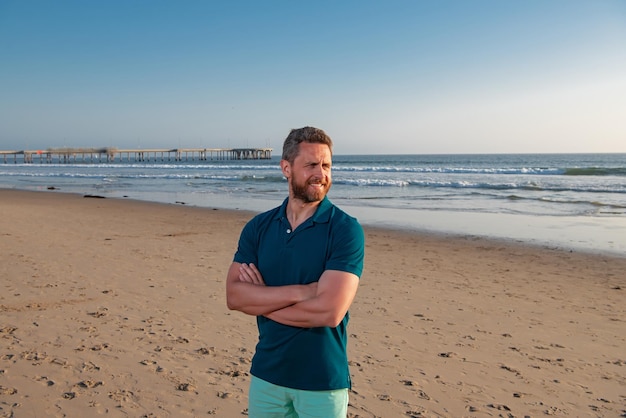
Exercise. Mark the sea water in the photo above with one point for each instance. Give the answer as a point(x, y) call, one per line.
point(575, 201)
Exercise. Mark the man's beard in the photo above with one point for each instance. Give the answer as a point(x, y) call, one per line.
point(306, 195)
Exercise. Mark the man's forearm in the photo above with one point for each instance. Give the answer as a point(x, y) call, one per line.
point(306, 314)
point(336, 291)
point(261, 300)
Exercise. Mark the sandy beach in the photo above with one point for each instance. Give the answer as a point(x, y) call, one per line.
point(117, 307)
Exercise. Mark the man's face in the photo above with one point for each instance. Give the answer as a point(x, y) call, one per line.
point(309, 176)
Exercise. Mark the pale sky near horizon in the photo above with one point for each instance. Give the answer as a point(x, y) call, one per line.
point(381, 77)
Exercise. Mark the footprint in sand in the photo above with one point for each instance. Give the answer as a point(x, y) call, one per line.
point(499, 407)
point(34, 356)
point(69, 395)
point(7, 391)
point(89, 366)
point(99, 313)
point(89, 384)
point(122, 395)
point(44, 380)
point(186, 387)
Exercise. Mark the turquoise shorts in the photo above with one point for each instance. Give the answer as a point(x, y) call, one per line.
point(267, 400)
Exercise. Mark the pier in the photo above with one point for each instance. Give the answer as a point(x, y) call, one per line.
point(111, 155)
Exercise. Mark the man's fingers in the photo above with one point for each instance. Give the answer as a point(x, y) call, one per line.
point(250, 274)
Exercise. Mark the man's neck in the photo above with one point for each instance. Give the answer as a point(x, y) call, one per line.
point(298, 211)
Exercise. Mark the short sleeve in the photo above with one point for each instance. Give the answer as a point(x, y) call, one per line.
point(347, 251)
point(246, 249)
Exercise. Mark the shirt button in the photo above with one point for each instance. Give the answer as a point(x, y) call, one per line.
point(289, 231)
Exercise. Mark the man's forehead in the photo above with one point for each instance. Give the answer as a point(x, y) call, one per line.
point(314, 158)
point(314, 149)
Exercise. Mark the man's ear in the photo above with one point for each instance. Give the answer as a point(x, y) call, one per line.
point(286, 168)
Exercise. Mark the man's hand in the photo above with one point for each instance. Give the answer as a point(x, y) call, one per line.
point(248, 273)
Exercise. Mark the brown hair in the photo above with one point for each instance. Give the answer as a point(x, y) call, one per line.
point(291, 146)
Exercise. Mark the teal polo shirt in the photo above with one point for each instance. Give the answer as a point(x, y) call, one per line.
point(293, 357)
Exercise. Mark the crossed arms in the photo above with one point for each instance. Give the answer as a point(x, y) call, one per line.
point(319, 304)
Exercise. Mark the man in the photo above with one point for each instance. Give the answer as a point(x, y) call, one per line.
point(297, 269)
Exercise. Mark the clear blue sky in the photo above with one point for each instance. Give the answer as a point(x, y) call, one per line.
point(410, 76)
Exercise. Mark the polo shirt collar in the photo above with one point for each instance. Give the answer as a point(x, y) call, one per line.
point(321, 215)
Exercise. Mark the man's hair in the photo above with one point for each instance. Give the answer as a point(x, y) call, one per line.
point(291, 146)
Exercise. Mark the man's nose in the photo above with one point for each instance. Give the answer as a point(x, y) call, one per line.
point(319, 171)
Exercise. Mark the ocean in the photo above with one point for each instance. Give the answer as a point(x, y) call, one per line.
point(569, 201)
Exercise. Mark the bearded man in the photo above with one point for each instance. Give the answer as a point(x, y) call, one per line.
point(297, 268)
